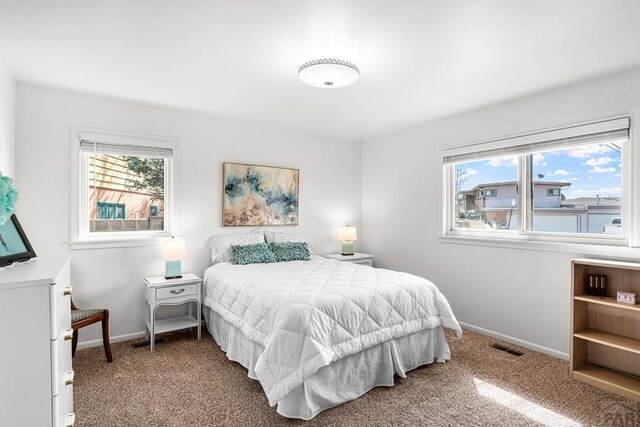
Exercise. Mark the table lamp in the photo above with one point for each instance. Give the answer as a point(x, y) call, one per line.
point(173, 252)
point(347, 235)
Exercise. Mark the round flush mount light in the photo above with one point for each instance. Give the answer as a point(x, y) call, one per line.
point(328, 73)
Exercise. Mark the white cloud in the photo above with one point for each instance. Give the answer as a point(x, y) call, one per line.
point(471, 172)
point(564, 180)
point(504, 161)
point(602, 192)
point(599, 161)
point(586, 151)
point(618, 174)
point(559, 172)
point(574, 179)
point(598, 169)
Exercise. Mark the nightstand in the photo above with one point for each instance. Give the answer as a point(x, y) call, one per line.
point(356, 258)
point(161, 291)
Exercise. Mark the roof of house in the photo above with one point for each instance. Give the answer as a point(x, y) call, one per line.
point(593, 201)
point(504, 183)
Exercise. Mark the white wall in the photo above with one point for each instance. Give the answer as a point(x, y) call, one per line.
point(7, 121)
point(519, 293)
point(330, 187)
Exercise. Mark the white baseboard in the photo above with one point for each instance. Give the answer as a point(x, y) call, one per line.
point(114, 339)
point(483, 331)
point(516, 341)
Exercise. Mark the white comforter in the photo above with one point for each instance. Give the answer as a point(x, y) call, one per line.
point(308, 314)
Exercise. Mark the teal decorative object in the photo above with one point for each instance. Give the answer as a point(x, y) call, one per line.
point(291, 251)
point(173, 269)
point(8, 198)
point(259, 253)
point(347, 247)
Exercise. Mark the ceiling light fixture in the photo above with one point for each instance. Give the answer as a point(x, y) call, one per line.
point(328, 73)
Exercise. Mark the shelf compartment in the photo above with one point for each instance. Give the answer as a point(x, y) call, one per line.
point(610, 340)
point(175, 323)
point(608, 301)
point(609, 380)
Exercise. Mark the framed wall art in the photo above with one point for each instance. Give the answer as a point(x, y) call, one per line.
point(259, 195)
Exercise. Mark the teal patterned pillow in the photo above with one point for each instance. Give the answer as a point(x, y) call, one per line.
point(252, 254)
point(290, 251)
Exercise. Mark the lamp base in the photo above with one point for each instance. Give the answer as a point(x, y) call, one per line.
point(347, 247)
point(173, 269)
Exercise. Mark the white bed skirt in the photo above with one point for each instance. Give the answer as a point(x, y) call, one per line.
point(343, 380)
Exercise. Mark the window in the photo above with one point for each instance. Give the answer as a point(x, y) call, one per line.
point(571, 179)
point(479, 207)
point(124, 187)
point(111, 211)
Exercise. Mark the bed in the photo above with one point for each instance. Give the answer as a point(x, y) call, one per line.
point(321, 332)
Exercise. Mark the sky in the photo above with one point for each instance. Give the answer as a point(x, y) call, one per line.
point(592, 170)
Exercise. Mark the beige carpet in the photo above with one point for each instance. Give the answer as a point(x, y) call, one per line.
point(190, 383)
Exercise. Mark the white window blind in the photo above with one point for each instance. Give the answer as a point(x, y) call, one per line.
point(604, 132)
point(87, 146)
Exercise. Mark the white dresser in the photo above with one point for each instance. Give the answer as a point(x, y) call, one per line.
point(36, 386)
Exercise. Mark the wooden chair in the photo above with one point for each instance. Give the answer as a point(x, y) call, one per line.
point(81, 318)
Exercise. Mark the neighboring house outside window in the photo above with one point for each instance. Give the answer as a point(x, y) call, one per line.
point(111, 181)
point(582, 214)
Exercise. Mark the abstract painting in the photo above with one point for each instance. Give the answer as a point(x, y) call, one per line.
point(259, 195)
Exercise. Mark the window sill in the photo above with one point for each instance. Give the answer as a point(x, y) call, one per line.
point(603, 250)
point(115, 242)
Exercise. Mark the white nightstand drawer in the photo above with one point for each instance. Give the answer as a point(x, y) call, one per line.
point(177, 291)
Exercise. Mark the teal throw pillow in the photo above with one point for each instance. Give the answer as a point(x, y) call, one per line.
point(252, 254)
point(291, 251)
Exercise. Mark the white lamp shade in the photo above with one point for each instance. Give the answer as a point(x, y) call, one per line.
point(173, 248)
point(347, 233)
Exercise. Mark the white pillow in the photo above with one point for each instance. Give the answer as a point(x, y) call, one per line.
point(279, 237)
point(221, 244)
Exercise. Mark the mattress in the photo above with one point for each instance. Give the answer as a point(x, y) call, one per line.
point(343, 380)
point(306, 315)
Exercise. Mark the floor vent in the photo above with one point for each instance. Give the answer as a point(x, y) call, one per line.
point(506, 349)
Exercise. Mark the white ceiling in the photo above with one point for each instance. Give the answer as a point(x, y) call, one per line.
point(419, 59)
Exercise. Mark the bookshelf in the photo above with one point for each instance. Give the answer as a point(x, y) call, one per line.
point(605, 338)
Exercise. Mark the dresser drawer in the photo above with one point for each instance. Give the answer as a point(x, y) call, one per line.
point(60, 362)
point(63, 408)
point(177, 291)
point(60, 302)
